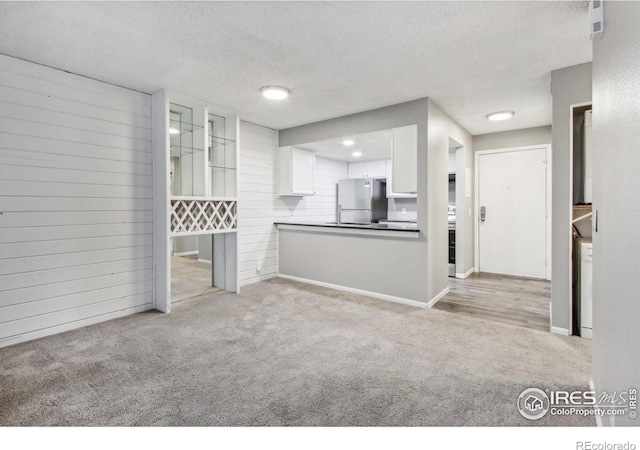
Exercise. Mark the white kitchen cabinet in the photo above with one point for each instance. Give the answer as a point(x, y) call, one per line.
point(404, 157)
point(389, 176)
point(368, 169)
point(296, 172)
point(358, 170)
point(376, 169)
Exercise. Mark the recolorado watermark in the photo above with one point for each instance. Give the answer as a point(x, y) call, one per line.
point(535, 403)
point(588, 445)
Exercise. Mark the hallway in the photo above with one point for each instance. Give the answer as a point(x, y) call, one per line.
point(515, 301)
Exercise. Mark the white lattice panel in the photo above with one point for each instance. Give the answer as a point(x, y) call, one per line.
point(201, 216)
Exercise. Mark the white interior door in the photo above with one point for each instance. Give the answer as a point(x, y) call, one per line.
point(512, 210)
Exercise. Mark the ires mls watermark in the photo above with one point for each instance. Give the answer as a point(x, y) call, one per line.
point(534, 403)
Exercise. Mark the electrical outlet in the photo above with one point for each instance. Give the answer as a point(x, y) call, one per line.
point(258, 266)
point(404, 210)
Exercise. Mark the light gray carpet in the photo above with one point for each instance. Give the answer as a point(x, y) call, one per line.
point(286, 353)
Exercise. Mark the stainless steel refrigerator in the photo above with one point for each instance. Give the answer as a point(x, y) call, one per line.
point(361, 200)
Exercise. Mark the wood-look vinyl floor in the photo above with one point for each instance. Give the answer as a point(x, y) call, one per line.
point(517, 301)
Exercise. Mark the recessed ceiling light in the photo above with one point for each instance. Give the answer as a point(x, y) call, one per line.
point(174, 131)
point(500, 115)
point(356, 154)
point(275, 92)
point(348, 142)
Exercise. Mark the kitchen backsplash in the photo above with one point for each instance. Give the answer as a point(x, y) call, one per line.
point(395, 207)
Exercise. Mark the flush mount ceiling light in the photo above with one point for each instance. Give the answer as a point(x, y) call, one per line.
point(275, 92)
point(500, 115)
point(356, 154)
point(348, 142)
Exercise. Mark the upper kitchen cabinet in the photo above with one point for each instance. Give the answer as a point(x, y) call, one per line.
point(368, 169)
point(404, 157)
point(296, 171)
point(390, 191)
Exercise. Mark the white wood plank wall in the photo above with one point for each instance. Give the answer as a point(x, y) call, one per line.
point(257, 239)
point(75, 201)
point(259, 205)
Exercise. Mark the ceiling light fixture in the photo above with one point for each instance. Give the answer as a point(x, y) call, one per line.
point(356, 154)
point(348, 142)
point(275, 92)
point(500, 115)
point(174, 131)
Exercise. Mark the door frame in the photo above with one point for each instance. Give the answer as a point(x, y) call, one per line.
point(572, 108)
point(547, 148)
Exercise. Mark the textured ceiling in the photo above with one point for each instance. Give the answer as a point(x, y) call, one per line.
point(472, 58)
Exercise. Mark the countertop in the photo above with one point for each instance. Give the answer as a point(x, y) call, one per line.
point(411, 227)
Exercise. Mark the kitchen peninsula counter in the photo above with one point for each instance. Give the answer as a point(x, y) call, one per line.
point(394, 229)
point(379, 260)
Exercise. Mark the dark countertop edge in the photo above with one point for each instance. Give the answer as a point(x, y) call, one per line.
point(350, 226)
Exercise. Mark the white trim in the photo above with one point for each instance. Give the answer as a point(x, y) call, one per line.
point(560, 331)
point(202, 198)
point(161, 194)
point(199, 233)
point(476, 216)
point(192, 252)
point(570, 228)
point(437, 298)
point(206, 261)
point(462, 276)
point(586, 333)
point(73, 325)
point(390, 298)
point(412, 234)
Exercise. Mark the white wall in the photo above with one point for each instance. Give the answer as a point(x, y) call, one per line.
point(257, 239)
point(260, 206)
point(616, 245)
point(441, 129)
point(75, 201)
point(515, 138)
point(569, 86)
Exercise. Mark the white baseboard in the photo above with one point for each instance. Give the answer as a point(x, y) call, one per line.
point(437, 298)
point(561, 331)
point(466, 274)
point(73, 325)
point(390, 298)
point(207, 261)
point(193, 252)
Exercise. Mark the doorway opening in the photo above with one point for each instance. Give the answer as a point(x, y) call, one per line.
point(192, 272)
point(512, 245)
point(581, 267)
point(452, 205)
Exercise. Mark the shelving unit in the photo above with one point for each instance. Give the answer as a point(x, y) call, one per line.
point(223, 161)
point(195, 189)
point(186, 152)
